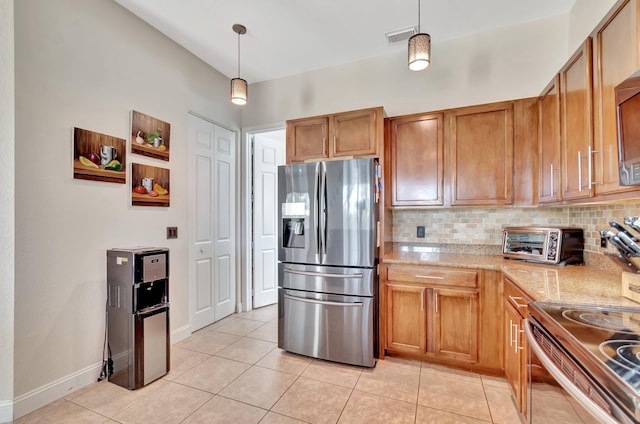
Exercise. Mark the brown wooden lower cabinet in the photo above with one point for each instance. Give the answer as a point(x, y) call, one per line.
point(456, 324)
point(431, 312)
point(516, 348)
point(406, 317)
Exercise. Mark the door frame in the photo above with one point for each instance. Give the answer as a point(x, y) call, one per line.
point(191, 211)
point(244, 296)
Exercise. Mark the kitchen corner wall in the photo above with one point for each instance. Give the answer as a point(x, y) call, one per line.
point(87, 64)
point(7, 214)
point(483, 226)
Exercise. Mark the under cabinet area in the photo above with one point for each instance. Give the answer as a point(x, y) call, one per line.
point(431, 312)
point(342, 135)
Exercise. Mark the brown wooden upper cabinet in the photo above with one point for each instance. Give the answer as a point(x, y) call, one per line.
point(416, 153)
point(350, 134)
point(581, 99)
point(549, 143)
point(576, 117)
point(481, 154)
point(615, 50)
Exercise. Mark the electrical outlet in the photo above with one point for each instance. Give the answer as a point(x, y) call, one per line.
point(172, 232)
point(420, 231)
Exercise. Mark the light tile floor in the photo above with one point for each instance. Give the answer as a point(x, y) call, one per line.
point(233, 372)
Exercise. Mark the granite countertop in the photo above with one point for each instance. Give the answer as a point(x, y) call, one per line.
point(575, 284)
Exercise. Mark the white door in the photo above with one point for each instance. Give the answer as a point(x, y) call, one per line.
point(224, 223)
point(210, 294)
point(268, 154)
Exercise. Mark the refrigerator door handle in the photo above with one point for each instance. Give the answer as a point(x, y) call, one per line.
point(323, 211)
point(322, 274)
point(315, 210)
point(322, 302)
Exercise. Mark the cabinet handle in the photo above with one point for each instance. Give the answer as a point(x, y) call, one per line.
point(517, 333)
point(590, 164)
point(552, 184)
point(510, 333)
point(436, 302)
point(515, 302)
point(579, 170)
point(422, 301)
point(430, 277)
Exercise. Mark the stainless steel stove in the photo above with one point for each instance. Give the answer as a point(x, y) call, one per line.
point(594, 353)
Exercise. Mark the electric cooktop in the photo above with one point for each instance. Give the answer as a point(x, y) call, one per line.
point(605, 341)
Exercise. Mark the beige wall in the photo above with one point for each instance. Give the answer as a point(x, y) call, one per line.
point(509, 63)
point(7, 167)
point(88, 64)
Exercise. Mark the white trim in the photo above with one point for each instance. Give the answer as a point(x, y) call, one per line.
point(181, 333)
point(246, 214)
point(50, 392)
point(6, 411)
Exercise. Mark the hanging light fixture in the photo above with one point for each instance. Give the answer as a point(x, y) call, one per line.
point(239, 90)
point(419, 49)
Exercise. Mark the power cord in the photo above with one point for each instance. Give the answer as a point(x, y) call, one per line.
point(107, 364)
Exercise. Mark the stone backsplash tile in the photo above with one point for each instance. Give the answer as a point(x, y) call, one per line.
point(483, 226)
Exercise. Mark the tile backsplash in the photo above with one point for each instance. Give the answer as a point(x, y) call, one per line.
point(483, 226)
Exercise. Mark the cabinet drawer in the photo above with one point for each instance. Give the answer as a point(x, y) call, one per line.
point(433, 276)
point(516, 297)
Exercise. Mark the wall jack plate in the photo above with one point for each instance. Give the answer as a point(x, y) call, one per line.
point(172, 232)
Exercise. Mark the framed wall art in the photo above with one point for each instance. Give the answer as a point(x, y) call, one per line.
point(150, 136)
point(99, 157)
point(150, 185)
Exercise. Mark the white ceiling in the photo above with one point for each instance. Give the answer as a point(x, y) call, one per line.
point(287, 37)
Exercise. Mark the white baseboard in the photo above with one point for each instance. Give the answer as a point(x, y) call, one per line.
point(35, 399)
point(6, 411)
point(180, 334)
point(55, 390)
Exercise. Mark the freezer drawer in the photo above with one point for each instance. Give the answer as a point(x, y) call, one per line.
point(332, 327)
point(324, 279)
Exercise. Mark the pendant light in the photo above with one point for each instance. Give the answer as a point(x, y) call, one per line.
point(239, 90)
point(419, 49)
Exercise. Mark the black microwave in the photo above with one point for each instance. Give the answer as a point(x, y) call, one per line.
point(628, 109)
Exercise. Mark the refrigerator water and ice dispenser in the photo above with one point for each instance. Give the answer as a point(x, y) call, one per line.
point(293, 222)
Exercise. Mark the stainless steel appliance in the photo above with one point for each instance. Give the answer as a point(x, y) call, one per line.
point(628, 107)
point(560, 246)
point(138, 315)
point(593, 353)
point(328, 253)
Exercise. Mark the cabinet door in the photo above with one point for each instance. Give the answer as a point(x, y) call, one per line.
point(307, 139)
point(417, 160)
point(481, 155)
point(577, 124)
point(549, 143)
point(456, 324)
point(615, 59)
point(356, 133)
point(514, 367)
point(406, 318)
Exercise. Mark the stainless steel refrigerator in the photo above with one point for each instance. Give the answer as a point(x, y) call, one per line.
point(328, 260)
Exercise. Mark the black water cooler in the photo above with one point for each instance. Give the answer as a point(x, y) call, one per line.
point(138, 315)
